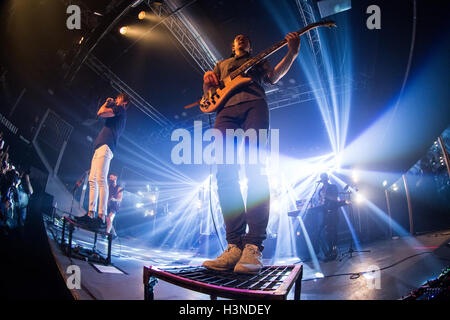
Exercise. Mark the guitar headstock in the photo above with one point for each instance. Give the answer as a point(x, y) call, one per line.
point(329, 23)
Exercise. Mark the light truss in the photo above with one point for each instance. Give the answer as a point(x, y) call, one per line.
point(100, 69)
point(185, 33)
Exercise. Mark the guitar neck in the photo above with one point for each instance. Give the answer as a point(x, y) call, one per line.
point(269, 51)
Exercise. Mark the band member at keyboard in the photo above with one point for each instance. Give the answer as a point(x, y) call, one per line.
point(114, 201)
point(328, 195)
point(245, 109)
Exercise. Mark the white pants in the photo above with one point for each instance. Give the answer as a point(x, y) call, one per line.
point(98, 180)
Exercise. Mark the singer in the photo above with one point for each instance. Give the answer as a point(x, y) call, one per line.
point(115, 114)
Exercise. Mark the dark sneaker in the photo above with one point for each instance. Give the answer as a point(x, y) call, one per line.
point(226, 261)
point(84, 220)
point(251, 260)
point(99, 225)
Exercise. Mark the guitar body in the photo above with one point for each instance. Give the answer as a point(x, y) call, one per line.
point(216, 97)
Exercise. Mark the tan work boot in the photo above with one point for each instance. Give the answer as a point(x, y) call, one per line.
point(251, 260)
point(226, 261)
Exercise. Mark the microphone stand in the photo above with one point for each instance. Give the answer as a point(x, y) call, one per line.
point(350, 250)
point(75, 188)
point(314, 193)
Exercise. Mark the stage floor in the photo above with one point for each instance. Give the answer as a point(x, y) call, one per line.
point(404, 265)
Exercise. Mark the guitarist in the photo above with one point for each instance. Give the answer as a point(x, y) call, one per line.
point(245, 109)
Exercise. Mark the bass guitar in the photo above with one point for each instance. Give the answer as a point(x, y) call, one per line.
point(215, 98)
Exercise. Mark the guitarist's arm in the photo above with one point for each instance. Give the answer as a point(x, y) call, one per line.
point(293, 42)
point(120, 195)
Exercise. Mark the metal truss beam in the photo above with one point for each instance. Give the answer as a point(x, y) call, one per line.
point(100, 69)
point(307, 17)
point(185, 33)
point(283, 97)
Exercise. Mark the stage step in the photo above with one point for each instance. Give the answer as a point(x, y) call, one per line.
point(272, 283)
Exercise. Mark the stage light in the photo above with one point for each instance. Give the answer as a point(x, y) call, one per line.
point(142, 15)
point(355, 176)
point(140, 193)
point(319, 275)
point(359, 198)
point(243, 184)
point(139, 205)
point(385, 183)
point(123, 30)
point(153, 198)
point(394, 187)
point(275, 205)
point(81, 40)
point(337, 162)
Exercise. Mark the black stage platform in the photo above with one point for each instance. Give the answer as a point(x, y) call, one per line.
point(404, 264)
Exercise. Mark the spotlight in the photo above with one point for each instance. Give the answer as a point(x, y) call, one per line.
point(385, 183)
point(319, 275)
point(359, 198)
point(275, 205)
point(243, 183)
point(142, 15)
point(355, 176)
point(139, 205)
point(394, 187)
point(123, 30)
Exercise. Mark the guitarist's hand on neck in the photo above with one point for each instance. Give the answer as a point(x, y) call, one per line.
point(293, 43)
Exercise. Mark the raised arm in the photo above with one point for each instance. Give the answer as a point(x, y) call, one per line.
point(293, 42)
point(105, 110)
